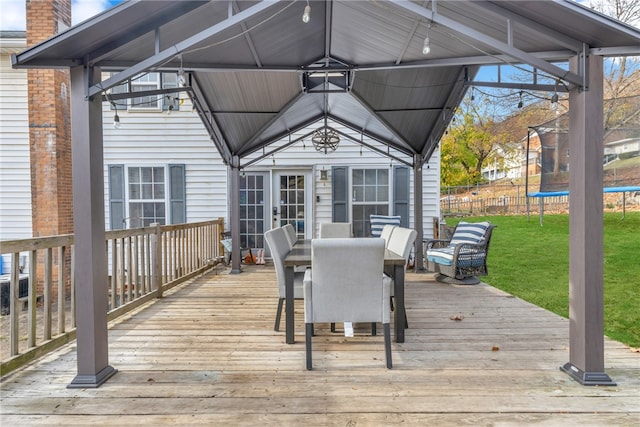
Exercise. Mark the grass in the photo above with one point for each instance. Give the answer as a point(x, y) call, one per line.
point(532, 263)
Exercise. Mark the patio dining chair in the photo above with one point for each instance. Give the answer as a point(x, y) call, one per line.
point(332, 230)
point(278, 244)
point(342, 288)
point(291, 234)
point(401, 242)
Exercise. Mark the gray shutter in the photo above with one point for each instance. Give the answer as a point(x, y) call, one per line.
point(339, 194)
point(177, 195)
point(116, 196)
point(401, 194)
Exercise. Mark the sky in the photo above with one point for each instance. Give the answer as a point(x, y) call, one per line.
point(12, 12)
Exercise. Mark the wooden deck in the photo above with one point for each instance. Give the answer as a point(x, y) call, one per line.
point(207, 354)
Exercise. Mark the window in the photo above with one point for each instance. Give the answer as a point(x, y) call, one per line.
point(146, 196)
point(370, 196)
point(370, 193)
point(146, 82)
point(150, 194)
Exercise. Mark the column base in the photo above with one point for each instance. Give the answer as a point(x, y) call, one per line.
point(92, 381)
point(587, 378)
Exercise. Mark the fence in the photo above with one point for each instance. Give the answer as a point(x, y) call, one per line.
point(142, 264)
point(453, 206)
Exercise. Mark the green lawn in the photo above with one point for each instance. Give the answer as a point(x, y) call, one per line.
point(532, 262)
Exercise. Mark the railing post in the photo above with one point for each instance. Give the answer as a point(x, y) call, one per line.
point(156, 259)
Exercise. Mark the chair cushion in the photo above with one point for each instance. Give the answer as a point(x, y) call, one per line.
point(444, 256)
point(467, 232)
point(379, 221)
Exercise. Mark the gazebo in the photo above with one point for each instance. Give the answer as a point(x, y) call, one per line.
point(394, 70)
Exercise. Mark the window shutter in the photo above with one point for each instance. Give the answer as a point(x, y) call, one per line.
point(401, 194)
point(339, 192)
point(177, 194)
point(116, 197)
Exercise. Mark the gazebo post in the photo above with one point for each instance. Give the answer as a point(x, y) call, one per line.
point(88, 222)
point(586, 235)
point(234, 215)
point(418, 212)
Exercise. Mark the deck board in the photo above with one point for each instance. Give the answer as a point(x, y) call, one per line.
point(207, 354)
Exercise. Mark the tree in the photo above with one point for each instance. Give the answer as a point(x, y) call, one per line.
point(472, 139)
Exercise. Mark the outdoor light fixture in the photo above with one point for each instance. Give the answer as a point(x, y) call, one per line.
point(306, 15)
point(325, 139)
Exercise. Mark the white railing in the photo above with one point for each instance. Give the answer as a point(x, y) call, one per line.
point(142, 264)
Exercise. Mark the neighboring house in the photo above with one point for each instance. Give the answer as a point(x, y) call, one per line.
point(506, 164)
point(622, 149)
point(147, 180)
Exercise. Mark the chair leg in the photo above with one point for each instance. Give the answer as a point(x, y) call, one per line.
point(406, 322)
point(333, 327)
point(387, 344)
point(374, 331)
point(308, 334)
point(278, 315)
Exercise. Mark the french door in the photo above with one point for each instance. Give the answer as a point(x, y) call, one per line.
point(292, 201)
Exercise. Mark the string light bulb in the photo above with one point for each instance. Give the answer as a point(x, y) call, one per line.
point(554, 98)
point(426, 46)
point(306, 15)
point(116, 121)
point(182, 79)
point(520, 104)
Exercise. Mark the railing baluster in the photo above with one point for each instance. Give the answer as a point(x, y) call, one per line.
point(47, 292)
point(114, 272)
point(129, 271)
point(61, 291)
point(33, 298)
point(14, 285)
point(73, 286)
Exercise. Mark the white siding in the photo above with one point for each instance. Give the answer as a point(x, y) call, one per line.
point(158, 139)
point(15, 175)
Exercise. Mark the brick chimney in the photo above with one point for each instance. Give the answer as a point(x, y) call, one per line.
point(49, 126)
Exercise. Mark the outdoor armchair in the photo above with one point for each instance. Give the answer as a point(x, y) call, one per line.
point(462, 258)
point(341, 287)
point(278, 244)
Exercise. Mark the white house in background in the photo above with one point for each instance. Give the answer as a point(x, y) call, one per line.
point(505, 164)
point(147, 179)
point(622, 148)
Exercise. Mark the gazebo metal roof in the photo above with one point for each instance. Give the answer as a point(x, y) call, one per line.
point(259, 72)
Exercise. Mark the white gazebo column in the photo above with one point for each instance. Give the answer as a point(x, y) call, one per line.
point(90, 249)
point(586, 265)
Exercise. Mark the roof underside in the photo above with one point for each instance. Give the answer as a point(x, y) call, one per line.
point(258, 72)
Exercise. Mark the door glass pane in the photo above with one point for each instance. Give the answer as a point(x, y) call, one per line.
point(292, 209)
point(252, 211)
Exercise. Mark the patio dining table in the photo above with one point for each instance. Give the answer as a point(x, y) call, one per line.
point(300, 254)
